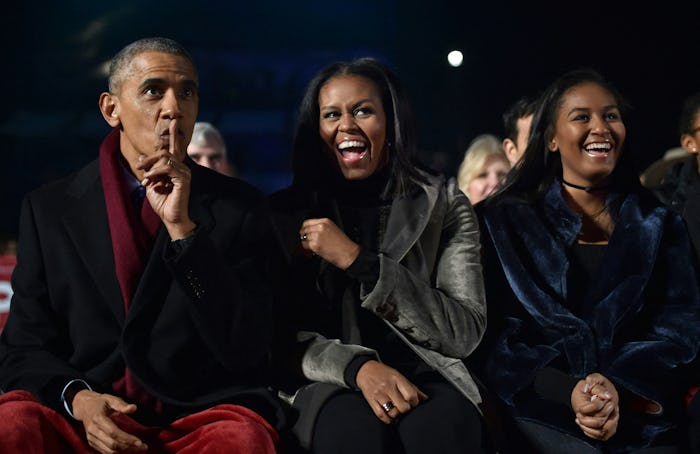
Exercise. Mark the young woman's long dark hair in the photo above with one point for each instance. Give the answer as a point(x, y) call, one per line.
point(311, 163)
point(539, 166)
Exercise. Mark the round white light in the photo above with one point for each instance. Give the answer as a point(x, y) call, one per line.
point(455, 58)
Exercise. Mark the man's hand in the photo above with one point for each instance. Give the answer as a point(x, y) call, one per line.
point(597, 405)
point(385, 388)
point(95, 411)
point(325, 239)
point(167, 182)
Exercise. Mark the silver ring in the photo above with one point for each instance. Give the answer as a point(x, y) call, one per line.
point(171, 163)
point(388, 406)
point(303, 237)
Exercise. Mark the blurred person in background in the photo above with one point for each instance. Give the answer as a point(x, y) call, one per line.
point(516, 124)
point(483, 169)
point(680, 187)
point(208, 148)
point(681, 191)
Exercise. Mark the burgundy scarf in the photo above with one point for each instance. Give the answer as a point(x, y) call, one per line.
point(132, 240)
point(132, 235)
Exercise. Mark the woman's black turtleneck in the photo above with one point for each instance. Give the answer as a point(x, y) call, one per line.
point(362, 213)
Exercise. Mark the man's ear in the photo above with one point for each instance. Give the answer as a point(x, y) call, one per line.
point(689, 143)
point(109, 106)
point(510, 149)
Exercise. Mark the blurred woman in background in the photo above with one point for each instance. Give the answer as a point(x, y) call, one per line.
point(483, 169)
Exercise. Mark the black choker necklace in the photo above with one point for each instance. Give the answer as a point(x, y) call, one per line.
point(586, 188)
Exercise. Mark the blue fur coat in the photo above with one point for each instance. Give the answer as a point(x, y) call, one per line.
point(643, 325)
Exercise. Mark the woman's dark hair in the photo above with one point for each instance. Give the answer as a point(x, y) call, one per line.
point(690, 110)
point(311, 164)
point(539, 166)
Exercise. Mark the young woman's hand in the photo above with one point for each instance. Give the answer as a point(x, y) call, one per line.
point(597, 406)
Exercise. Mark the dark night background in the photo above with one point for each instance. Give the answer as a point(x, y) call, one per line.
point(255, 58)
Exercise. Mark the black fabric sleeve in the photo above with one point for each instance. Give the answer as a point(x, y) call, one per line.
point(177, 246)
point(365, 268)
point(350, 375)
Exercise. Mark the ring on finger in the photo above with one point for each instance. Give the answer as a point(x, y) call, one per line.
point(171, 163)
point(388, 406)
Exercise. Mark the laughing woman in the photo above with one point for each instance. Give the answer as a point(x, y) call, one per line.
point(593, 305)
point(385, 267)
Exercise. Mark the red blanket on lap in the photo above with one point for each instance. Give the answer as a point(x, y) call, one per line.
point(29, 427)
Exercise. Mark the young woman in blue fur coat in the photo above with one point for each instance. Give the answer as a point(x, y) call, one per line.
point(593, 305)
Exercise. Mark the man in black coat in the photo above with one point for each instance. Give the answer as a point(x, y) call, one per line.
point(139, 312)
point(681, 191)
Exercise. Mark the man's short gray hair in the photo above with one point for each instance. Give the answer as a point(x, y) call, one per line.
point(206, 133)
point(121, 61)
